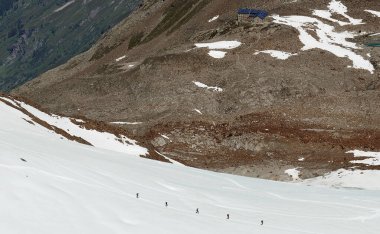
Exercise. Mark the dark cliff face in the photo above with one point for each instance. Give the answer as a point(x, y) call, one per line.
point(37, 35)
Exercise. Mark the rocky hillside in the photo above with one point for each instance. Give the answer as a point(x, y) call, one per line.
point(36, 36)
point(298, 90)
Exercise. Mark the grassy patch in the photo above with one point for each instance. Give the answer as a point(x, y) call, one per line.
point(190, 15)
point(101, 51)
point(135, 40)
point(108, 69)
point(177, 10)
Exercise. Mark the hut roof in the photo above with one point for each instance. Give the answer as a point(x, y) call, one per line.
point(253, 13)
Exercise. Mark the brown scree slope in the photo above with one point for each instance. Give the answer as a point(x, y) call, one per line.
point(271, 112)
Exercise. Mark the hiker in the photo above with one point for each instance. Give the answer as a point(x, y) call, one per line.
point(262, 222)
point(137, 195)
point(166, 204)
point(197, 211)
point(228, 216)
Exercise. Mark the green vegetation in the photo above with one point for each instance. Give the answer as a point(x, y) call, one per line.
point(34, 38)
point(5, 5)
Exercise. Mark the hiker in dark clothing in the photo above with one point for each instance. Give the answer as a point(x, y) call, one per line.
point(262, 222)
point(166, 204)
point(197, 211)
point(137, 195)
point(228, 216)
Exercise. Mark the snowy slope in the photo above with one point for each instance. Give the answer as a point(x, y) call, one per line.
point(98, 139)
point(328, 38)
point(53, 185)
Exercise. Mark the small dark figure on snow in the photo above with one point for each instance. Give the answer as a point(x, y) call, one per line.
point(23, 160)
point(262, 222)
point(228, 216)
point(197, 211)
point(166, 204)
point(137, 195)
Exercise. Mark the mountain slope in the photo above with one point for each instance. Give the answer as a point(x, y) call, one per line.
point(39, 35)
point(253, 102)
point(53, 185)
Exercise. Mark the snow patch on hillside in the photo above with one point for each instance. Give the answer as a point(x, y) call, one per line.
point(198, 111)
point(228, 45)
point(217, 54)
point(127, 123)
point(103, 140)
point(328, 39)
point(294, 173)
point(373, 157)
point(204, 86)
point(276, 54)
point(164, 136)
point(215, 47)
point(360, 179)
point(375, 13)
point(213, 18)
point(337, 7)
point(64, 6)
point(120, 58)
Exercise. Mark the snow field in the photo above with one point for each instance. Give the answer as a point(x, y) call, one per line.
point(98, 139)
point(66, 187)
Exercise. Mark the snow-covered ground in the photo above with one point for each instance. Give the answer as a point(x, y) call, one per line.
point(216, 47)
point(316, 34)
point(355, 179)
point(337, 7)
point(126, 123)
point(294, 173)
point(64, 6)
point(276, 54)
point(120, 58)
point(198, 111)
point(219, 45)
point(98, 139)
point(213, 18)
point(373, 157)
point(217, 54)
point(328, 39)
point(204, 86)
point(375, 13)
point(54, 185)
